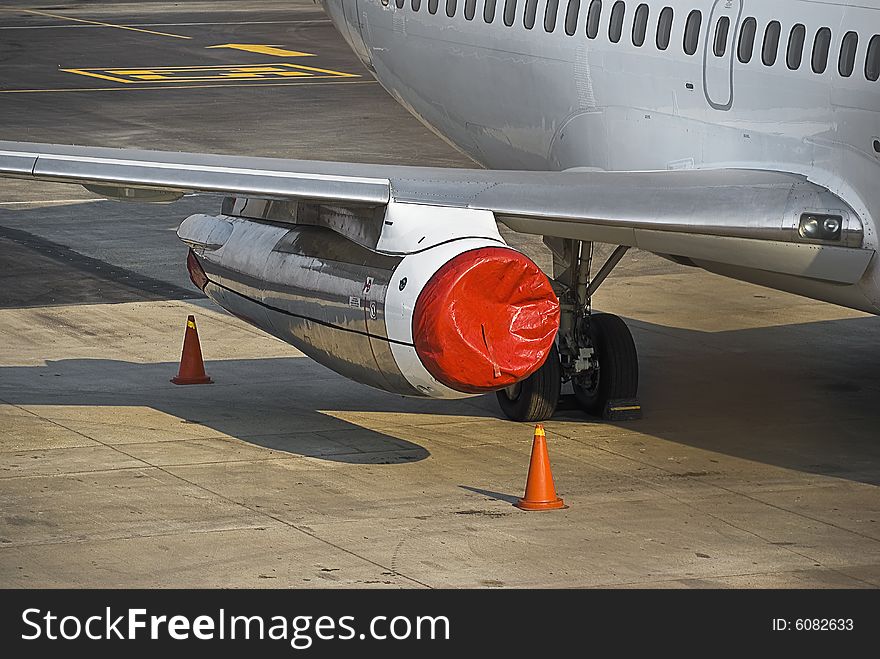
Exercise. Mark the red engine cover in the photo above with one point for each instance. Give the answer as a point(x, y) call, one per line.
point(485, 320)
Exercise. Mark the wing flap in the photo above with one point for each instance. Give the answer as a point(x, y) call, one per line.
point(745, 218)
point(183, 172)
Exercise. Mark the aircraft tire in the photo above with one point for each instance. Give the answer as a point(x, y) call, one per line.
point(618, 374)
point(536, 397)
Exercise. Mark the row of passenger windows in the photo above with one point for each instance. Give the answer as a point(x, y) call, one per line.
point(769, 46)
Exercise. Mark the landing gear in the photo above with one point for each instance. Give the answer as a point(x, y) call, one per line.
point(536, 397)
point(595, 352)
point(615, 375)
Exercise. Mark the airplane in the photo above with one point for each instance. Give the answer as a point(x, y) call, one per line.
point(737, 136)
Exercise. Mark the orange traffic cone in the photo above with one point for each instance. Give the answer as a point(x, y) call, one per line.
point(192, 367)
point(540, 490)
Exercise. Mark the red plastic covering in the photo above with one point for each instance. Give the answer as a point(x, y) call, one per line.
point(485, 320)
point(196, 274)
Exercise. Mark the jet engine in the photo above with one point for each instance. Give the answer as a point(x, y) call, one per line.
point(413, 299)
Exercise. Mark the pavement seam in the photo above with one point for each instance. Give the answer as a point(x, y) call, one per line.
point(221, 85)
point(661, 491)
point(297, 528)
point(229, 500)
point(76, 432)
point(713, 485)
point(129, 536)
point(613, 584)
point(273, 458)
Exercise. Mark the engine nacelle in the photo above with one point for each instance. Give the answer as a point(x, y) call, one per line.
point(429, 302)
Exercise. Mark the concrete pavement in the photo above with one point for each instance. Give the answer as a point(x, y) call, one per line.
point(757, 462)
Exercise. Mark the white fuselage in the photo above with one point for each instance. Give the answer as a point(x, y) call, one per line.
point(514, 97)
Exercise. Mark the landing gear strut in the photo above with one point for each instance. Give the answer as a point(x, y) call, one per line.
point(595, 352)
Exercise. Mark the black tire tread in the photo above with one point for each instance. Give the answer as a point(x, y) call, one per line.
point(620, 356)
point(618, 361)
point(539, 393)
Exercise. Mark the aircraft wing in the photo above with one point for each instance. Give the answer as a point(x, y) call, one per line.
point(738, 217)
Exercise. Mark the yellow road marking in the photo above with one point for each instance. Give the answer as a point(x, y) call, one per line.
point(208, 67)
point(314, 81)
point(226, 76)
point(183, 74)
point(92, 74)
point(83, 20)
point(263, 49)
point(47, 201)
point(305, 21)
point(256, 68)
point(628, 408)
point(327, 71)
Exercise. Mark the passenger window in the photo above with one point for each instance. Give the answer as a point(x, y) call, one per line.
point(530, 14)
point(550, 15)
point(416, 5)
point(664, 28)
point(872, 61)
point(451, 6)
point(721, 32)
point(640, 25)
point(692, 31)
point(771, 43)
point(615, 27)
point(432, 6)
point(821, 47)
point(571, 16)
point(489, 11)
point(747, 40)
point(400, 3)
point(509, 12)
point(795, 54)
point(593, 17)
point(470, 8)
point(847, 62)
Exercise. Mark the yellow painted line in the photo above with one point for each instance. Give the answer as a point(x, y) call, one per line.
point(209, 67)
point(313, 81)
point(42, 202)
point(92, 74)
point(118, 27)
point(306, 21)
point(263, 49)
point(182, 74)
point(327, 71)
point(629, 408)
point(226, 76)
point(255, 68)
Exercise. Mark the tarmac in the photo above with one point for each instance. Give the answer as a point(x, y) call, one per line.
point(757, 462)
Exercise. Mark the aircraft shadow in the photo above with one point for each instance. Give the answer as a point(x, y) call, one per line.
point(274, 403)
point(802, 397)
point(799, 396)
point(38, 272)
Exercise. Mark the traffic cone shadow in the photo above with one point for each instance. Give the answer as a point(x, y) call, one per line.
point(192, 367)
point(540, 489)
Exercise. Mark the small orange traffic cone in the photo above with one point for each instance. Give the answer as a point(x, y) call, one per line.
point(192, 367)
point(540, 490)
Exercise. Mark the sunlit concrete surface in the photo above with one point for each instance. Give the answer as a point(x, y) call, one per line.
point(757, 462)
